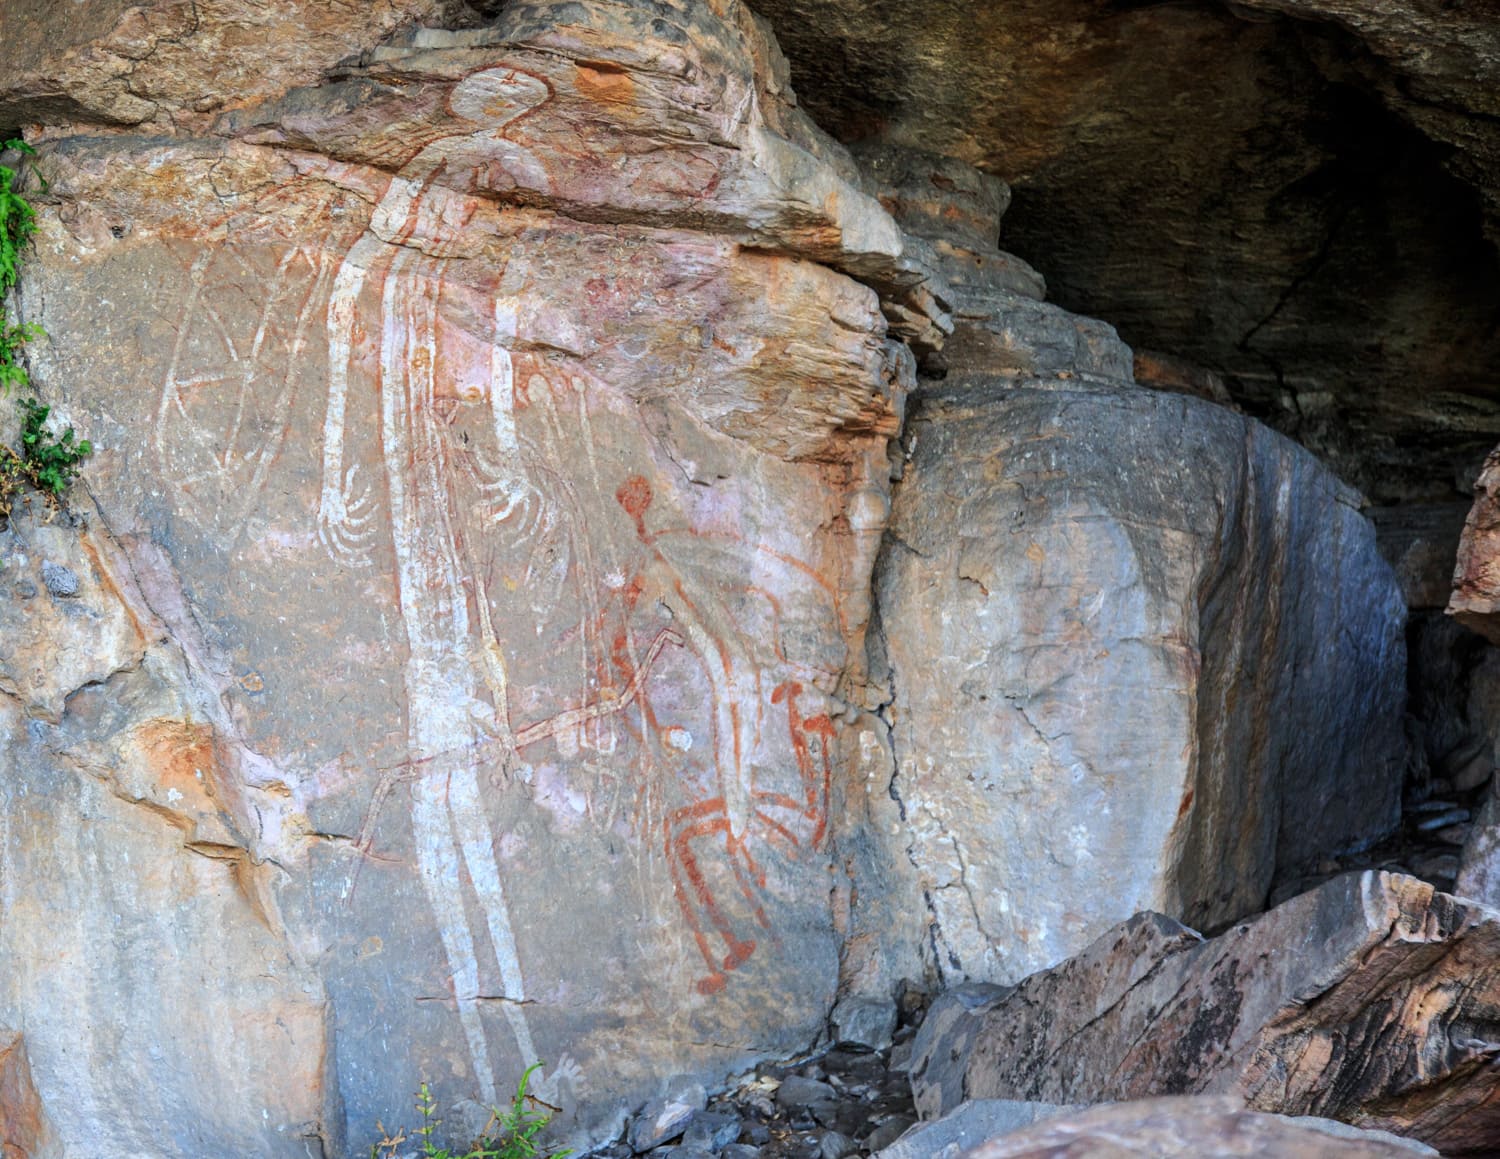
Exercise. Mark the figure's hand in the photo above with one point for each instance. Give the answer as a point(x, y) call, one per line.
point(346, 515)
point(560, 1084)
point(505, 489)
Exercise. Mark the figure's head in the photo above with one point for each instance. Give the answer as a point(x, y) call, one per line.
point(495, 96)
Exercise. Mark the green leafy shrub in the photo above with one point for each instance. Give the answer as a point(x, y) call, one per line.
point(511, 1133)
point(46, 463)
point(17, 224)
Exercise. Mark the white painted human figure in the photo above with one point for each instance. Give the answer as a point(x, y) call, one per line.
point(452, 661)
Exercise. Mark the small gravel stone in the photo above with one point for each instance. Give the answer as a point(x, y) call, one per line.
point(711, 1130)
point(1440, 820)
point(835, 1145)
point(740, 1151)
point(797, 1091)
point(25, 589)
point(663, 1119)
point(61, 581)
point(889, 1131)
point(1455, 834)
point(757, 1134)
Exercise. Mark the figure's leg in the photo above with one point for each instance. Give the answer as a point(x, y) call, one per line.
point(437, 863)
point(815, 771)
point(734, 688)
point(434, 613)
point(693, 892)
point(477, 841)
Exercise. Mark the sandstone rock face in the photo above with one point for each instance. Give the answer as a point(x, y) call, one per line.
point(1193, 1128)
point(177, 63)
point(459, 663)
point(491, 461)
point(1372, 1000)
point(166, 1009)
point(1122, 687)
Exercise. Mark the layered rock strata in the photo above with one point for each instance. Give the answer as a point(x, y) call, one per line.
point(1475, 598)
point(1372, 1000)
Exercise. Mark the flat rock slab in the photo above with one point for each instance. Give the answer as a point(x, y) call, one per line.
point(1373, 1000)
point(1200, 1128)
point(968, 1125)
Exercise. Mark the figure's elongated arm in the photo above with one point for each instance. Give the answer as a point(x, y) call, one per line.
point(344, 519)
point(504, 473)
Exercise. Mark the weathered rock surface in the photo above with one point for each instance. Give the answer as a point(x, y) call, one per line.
point(1372, 1000)
point(490, 464)
point(1475, 602)
point(1420, 541)
point(1123, 687)
point(141, 941)
point(171, 64)
point(1192, 1128)
point(492, 432)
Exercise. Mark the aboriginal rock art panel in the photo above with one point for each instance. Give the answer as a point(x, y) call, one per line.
point(565, 594)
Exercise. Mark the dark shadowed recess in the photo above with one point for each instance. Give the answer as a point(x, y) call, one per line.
point(1222, 183)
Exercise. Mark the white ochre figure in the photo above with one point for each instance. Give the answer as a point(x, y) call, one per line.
point(390, 283)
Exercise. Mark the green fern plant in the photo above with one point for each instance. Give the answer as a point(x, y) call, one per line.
point(511, 1133)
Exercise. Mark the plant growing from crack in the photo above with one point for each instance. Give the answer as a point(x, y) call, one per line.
point(17, 224)
point(45, 462)
point(510, 1134)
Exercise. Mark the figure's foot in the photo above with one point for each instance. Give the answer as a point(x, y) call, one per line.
point(713, 984)
point(739, 954)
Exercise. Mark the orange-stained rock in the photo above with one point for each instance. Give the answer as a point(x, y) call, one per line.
point(25, 1132)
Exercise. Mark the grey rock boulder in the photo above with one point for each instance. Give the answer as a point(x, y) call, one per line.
point(1144, 654)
